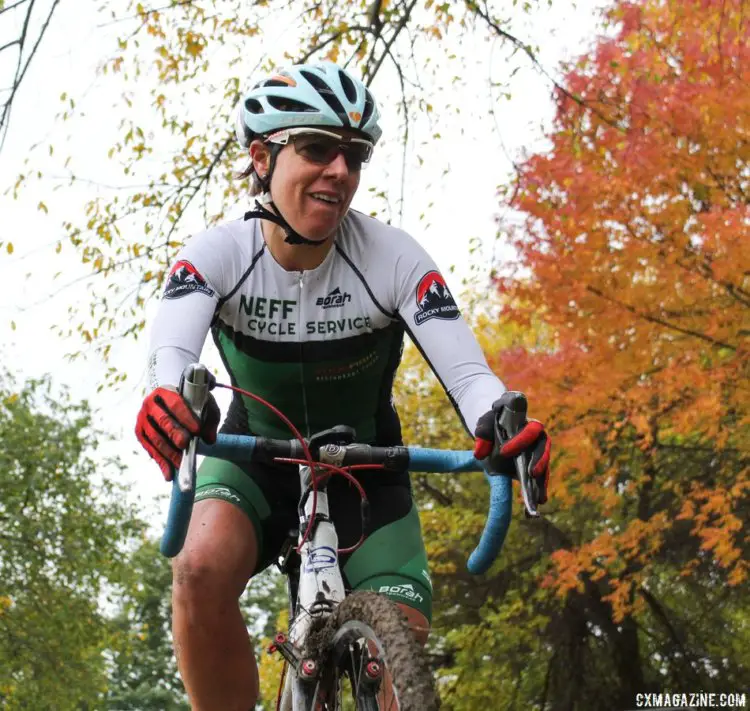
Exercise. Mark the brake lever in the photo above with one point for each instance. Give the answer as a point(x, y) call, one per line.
point(195, 383)
point(510, 418)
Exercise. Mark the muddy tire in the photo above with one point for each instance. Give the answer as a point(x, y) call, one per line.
point(368, 616)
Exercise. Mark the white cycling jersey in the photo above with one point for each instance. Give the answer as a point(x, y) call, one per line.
point(322, 345)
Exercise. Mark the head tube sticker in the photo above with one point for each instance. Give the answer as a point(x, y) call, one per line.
point(321, 558)
point(434, 300)
point(184, 279)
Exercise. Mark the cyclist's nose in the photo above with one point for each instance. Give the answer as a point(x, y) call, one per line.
point(338, 168)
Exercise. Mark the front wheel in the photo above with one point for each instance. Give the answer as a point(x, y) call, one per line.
point(373, 655)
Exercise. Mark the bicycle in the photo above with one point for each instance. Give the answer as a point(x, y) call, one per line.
point(334, 639)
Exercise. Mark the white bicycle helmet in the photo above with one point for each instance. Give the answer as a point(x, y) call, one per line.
point(321, 94)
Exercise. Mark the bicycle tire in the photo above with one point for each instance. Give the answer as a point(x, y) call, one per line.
point(367, 615)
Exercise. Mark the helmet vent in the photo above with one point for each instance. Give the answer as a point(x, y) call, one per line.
point(276, 82)
point(328, 95)
point(349, 89)
point(282, 103)
point(369, 108)
point(254, 106)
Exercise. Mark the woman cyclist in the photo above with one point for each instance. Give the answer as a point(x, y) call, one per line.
point(308, 302)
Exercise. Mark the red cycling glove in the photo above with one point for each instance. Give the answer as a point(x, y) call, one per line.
point(166, 423)
point(532, 440)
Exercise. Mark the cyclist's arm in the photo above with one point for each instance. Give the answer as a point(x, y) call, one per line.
point(191, 295)
point(430, 315)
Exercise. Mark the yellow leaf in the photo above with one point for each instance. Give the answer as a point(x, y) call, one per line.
point(42, 207)
point(194, 46)
point(58, 249)
point(9, 248)
point(12, 325)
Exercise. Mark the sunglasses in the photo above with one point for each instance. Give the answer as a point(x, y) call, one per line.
point(323, 147)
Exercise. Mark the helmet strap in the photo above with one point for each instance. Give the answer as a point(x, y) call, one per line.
point(263, 213)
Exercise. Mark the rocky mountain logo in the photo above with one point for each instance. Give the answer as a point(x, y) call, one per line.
point(434, 300)
point(184, 279)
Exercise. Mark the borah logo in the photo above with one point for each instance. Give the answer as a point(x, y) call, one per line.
point(406, 591)
point(434, 300)
point(184, 279)
point(334, 299)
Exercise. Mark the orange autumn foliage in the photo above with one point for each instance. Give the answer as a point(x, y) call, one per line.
point(637, 238)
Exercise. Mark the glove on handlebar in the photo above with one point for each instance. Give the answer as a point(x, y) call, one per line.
point(531, 440)
point(166, 423)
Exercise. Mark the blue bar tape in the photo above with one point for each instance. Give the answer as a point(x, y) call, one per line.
point(498, 520)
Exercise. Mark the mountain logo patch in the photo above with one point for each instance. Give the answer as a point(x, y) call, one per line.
point(184, 279)
point(434, 300)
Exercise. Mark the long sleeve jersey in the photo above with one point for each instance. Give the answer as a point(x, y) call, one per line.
point(322, 345)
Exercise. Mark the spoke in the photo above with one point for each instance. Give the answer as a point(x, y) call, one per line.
point(362, 653)
point(298, 618)
point(316, 697)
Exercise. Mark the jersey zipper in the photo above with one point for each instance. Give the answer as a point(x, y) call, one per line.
point(302, 355)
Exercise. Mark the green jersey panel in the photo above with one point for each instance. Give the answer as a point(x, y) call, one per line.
point(317, 384)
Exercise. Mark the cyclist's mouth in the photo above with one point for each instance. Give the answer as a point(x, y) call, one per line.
point(329, 199)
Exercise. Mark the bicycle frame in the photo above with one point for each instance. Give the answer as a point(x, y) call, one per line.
point(320, 587)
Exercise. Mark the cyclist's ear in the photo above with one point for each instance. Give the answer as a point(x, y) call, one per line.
point(260, 154)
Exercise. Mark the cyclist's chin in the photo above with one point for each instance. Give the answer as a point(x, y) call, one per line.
point(319, 226)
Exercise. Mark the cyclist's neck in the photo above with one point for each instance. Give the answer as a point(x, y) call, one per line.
point(293, 257)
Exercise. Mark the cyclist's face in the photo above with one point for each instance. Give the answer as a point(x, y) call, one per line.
point(313, 196)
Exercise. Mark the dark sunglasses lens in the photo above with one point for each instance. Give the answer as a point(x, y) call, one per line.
point(324, 150)
point(316, 149)
point(356, 154)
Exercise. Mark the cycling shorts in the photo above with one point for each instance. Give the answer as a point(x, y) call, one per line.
point(392, 559)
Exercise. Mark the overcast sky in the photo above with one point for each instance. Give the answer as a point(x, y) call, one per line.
point(465, 205)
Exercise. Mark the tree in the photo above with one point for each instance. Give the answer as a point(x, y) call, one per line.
point(636, 240)
point(144, 674)
point(32, 26)
point(512, 640)
point(62, 548)
point(638, 216)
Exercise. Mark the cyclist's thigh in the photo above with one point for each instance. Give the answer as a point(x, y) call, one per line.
point(392, 560)
point(266, 496)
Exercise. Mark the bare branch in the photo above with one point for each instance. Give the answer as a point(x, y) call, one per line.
point(396, 32)
point(202, 178)
point(442, 498)
point(335, 36)
point(661, 322)
point(526, 49)
point(23, 64)
point(145, 13)
point(10, 44)
point(10, 7)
